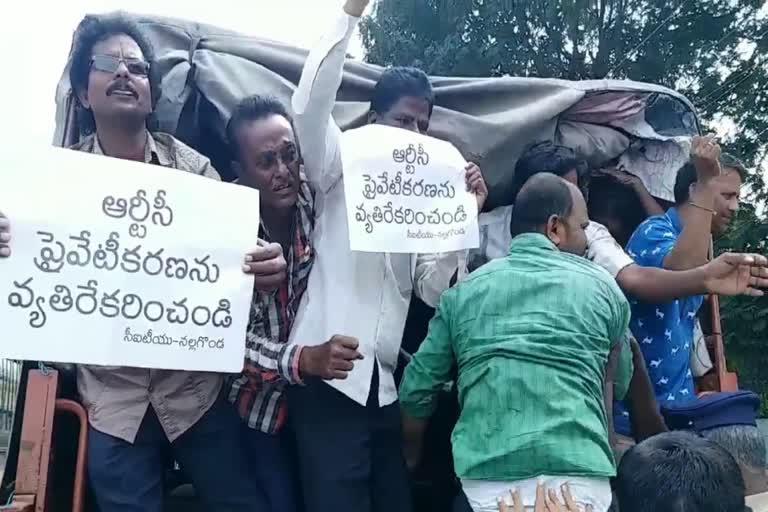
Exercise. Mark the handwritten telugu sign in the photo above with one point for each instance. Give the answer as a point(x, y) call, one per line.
point(406, 193)
point(121, 263)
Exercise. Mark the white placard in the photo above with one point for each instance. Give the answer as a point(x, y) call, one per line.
point(406, 193)
point(121, 263)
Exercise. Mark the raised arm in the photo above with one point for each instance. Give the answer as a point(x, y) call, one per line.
point(692, 247)
point(319, 136)
point(621, 177)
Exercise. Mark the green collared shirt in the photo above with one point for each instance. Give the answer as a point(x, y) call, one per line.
point(531, 334)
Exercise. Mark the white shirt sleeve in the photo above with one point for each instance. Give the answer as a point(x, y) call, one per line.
point(313, 101)
point(603, 250)
point(434, 273)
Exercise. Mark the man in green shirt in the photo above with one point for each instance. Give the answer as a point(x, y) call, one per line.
point(531, 334)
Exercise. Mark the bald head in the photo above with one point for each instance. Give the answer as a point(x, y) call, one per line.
point(549, 205)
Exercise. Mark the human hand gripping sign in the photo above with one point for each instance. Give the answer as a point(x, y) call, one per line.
point(476, 184)
point(267, 265)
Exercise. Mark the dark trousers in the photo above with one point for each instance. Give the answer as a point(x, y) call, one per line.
point(272, 467)
point(350, 456)
point(129, 477)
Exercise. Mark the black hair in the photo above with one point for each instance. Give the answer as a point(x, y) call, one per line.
point(542, 196)
point(686, 176)
point(398, 82)
point(744, 442)
point(250, 109)
point(679, 472)
point(547, 157)
point(96, 28)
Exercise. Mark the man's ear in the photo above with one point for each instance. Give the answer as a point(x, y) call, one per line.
point(372, 117)
point(554, 230)
point(82, 97)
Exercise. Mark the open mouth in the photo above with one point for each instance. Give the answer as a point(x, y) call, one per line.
point(282, 188)
point(122, 90)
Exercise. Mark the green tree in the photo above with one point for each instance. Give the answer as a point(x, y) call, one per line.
point(713, 51)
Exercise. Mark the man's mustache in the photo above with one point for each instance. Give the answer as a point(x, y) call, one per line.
point(121, 85)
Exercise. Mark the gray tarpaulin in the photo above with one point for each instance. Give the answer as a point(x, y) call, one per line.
point(206, 70)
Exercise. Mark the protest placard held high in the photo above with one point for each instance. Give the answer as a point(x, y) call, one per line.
point(406, 193)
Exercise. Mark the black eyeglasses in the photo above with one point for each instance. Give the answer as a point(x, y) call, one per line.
point(110, 63)
point(288, 154)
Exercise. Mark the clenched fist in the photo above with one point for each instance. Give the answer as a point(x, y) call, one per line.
point(705, 156)
point(334, 359)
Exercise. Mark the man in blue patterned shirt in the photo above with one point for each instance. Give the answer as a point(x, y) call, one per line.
point(707, 194)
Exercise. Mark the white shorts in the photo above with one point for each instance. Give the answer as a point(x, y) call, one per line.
point(483, 495)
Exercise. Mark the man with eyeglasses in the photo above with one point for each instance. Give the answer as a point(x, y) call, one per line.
point(135, 415)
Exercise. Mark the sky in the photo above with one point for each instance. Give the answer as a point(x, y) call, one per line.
point(36, 55)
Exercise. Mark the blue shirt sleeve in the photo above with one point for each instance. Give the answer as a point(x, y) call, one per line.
point(652, 242)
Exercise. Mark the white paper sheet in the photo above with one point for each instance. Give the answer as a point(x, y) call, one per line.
point(120, 263)
point(406, 193)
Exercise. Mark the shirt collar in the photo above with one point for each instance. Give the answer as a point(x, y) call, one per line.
point(674, 217)
point(532, 241)
point(153, 153)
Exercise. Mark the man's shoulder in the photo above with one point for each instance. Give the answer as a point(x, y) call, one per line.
point(651, 227)
point(180, 155)
point(582, 265)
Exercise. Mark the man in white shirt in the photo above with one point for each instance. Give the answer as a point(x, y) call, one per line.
point(348, 430)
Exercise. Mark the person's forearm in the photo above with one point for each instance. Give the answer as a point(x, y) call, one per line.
point(313, 103)
point(434, 273)
point(692, 247)
point(282, 359)
point(648, 202)
point(656, 285)
point(413, 438)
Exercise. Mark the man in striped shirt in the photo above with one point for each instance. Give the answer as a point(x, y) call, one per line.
point(261, 135)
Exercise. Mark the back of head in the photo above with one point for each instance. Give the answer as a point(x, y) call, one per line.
point(746, 445)
point(250, 109)
point(542, 196)
point(398, 82)
point(546, 157)
point(679, 472)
